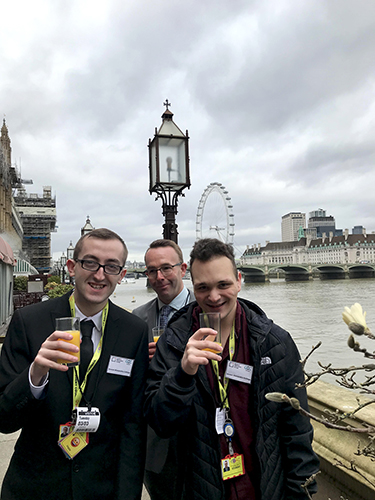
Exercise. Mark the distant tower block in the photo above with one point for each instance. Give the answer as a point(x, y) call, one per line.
point(290, 224)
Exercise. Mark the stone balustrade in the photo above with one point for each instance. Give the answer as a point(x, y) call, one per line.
point(332, 444)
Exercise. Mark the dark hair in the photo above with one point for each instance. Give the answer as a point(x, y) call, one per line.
point(101, 234)
point(209, 248)
point(166, 243)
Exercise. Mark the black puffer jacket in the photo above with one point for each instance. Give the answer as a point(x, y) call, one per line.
point(177, 403)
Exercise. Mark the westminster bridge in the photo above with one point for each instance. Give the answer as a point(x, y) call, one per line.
point(257, 273)
point(303, 272)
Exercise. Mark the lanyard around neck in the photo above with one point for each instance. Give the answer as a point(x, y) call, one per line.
point(77, 389)
point(215, 365)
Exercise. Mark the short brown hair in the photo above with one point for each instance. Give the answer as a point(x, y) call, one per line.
point(166, 243)
point(102, 234)
point(206, 249)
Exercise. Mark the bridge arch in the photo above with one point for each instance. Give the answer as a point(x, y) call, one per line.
point(361, 271)
point(331, 271)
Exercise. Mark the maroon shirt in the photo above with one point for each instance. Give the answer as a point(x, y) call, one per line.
point(241, 396)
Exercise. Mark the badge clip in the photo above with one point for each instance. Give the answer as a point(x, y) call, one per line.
point(85, 419)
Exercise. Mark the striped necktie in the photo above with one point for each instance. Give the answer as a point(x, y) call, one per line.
point(164, 314)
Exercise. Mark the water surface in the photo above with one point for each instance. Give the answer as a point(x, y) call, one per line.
point(310, 311)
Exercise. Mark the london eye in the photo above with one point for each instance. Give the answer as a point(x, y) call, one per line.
point(215, 218)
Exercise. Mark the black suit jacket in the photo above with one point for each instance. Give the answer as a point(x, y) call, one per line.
point(111, 466)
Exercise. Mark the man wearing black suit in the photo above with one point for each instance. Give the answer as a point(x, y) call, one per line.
point(37, 394)
point(165, 270)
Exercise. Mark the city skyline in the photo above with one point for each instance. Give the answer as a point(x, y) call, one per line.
point(277, 97)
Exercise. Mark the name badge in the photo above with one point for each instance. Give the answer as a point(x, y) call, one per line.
point(73, 443)
point(120, 366)
point(239, 371)
point(232, 466)
point(86, 419)
point(219, 420)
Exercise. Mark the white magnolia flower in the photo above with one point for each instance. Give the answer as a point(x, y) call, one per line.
point(355, 318)
point(276, 397)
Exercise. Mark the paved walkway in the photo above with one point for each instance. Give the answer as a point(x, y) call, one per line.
point(7, 442)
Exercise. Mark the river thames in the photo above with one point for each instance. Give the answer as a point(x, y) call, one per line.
point(310, 311)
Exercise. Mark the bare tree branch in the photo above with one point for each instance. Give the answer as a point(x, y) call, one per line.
point(353, 468)
point(305, 485)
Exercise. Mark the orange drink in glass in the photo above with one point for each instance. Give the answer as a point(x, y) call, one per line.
point(70, 325)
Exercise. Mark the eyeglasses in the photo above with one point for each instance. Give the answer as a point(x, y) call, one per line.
point(166, 270)
point(91, 265)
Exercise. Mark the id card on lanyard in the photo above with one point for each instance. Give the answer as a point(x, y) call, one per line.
point(232, 465)
point(74, 435)
point(78, 389)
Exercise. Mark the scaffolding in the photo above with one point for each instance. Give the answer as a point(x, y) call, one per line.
point(38, 216)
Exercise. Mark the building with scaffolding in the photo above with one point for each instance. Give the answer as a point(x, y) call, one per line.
point(26, 220)
point(38, 217)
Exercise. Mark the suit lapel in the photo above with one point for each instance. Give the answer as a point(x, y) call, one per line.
point(111, 335)
point(62, 310)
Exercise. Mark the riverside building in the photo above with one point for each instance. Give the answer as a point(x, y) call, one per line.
point(329, 249)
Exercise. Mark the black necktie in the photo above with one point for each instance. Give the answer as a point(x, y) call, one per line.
point(87, 348)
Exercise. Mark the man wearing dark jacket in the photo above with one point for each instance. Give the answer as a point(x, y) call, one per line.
point(215, 403)
point(38, 394)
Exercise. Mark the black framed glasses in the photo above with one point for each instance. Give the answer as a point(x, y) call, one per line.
point(165, 270)
point(93, 266)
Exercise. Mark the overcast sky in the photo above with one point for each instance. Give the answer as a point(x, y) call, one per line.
point(278, 97)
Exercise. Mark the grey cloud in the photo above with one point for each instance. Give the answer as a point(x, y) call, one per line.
point(322, 160)
point(277, 97)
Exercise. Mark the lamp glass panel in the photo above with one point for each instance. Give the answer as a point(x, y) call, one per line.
point(172, 160)
point(153, 164)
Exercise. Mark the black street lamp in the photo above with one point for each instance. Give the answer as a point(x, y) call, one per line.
point(69, 256)
point(169, 169)
point(70, 251)
point(62, 267)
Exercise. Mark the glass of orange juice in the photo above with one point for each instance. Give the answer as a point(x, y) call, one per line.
point(211, 320)
point(70, 325)
point(156, 332)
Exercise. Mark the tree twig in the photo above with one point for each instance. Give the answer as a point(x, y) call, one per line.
point(353, 468)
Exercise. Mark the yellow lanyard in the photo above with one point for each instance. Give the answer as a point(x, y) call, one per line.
point(77, 390)
point(215, 366)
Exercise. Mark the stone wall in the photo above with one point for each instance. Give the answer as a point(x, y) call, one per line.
point(331, 444)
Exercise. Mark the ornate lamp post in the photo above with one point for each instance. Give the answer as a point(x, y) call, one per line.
point(169, 169)
point(69, 255)
point(88, 227)
point(70, 251)
point(63, 263)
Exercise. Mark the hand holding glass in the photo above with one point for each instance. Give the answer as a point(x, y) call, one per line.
point(156, 332)
point(211, 320)
point(70, 325)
